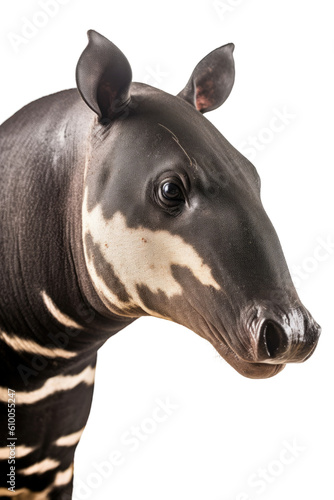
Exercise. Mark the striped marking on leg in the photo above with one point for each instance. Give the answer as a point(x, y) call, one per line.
point(29, 346)
point(62, 479)
point(57, 314)
point(40, 467)
point(70, 439)
point(25, 494)
point(51, 386)
point(20, 451)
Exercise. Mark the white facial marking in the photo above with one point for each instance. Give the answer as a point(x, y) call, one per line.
point(20, 451)
point(140, 256)
point(32, 347)
point(70, 439)
point(52, 385)
point(40, 467)
point(57, 314)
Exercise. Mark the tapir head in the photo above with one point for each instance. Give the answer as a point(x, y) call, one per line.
point(172, 222)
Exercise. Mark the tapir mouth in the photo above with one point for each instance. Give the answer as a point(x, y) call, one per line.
point(248, 368)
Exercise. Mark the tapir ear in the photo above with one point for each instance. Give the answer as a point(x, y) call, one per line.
point(212, 80)
point(104, 77)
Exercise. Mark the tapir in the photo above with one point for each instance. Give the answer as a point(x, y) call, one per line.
point(119, 200)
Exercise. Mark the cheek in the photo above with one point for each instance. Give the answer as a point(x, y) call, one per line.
point(140, 257)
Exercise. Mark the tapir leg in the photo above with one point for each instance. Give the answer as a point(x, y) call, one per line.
point(46, 426)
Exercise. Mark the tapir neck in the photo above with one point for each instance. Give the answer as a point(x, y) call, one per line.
point(48, 142)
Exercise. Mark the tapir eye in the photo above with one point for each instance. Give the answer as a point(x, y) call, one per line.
point(171, 191)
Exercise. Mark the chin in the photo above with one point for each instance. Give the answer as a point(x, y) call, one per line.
point(248, 369)
point(256, 370)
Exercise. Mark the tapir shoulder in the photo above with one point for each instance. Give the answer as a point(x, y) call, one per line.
point(44, 113)
point(42, 136)
point(40, 107)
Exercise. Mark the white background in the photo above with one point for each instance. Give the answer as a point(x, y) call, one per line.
point(225, 427)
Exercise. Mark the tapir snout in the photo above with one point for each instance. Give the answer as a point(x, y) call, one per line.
point(270, 338)
point(283, 338)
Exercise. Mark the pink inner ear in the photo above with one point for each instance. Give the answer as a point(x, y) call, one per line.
point(204, 95)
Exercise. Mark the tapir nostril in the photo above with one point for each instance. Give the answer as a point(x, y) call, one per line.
point(274, 339)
